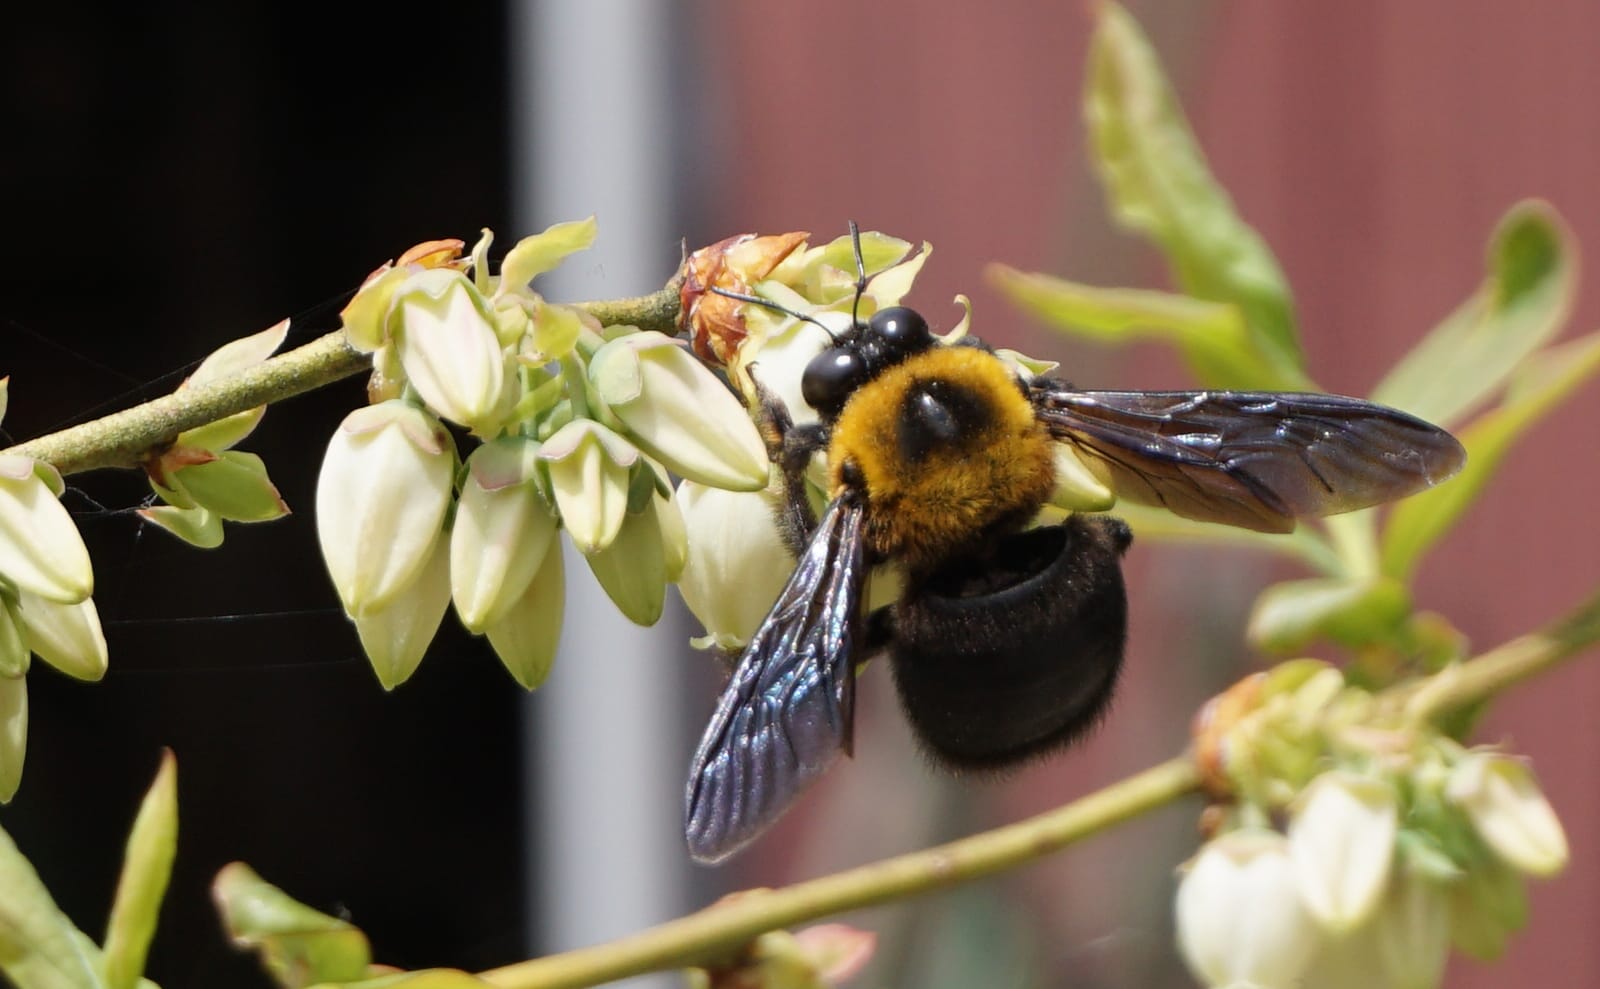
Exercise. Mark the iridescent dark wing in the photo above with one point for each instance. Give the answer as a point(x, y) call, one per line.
point(786, 713)
point(1257, 460)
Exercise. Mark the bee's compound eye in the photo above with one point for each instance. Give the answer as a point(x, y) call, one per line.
point(902, 330)
point(830, 378)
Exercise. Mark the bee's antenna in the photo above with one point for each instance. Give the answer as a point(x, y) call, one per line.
point(861, 273)
point(775, 307)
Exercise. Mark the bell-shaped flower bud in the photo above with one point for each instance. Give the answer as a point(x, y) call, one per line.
point(40, 549)
point(502, 531)
point(674, 537)
point(633, 568)
point(1503, 801)
point(445, 335)
point(1487, 906)
point(14, 652)
point(678, 412)
point(737, 561)
point(365, 318)
point(13, 734)
point(396, 636)
point(525, 638)
point(1240, 918)
point(589, 466)
point(67, 636)
point(381, 500)
point(1341, 841)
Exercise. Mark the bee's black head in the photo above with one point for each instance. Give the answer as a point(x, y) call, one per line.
point(861, 354)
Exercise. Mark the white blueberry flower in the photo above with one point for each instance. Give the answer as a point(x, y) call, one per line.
point(67, 636)
point(1341, 841)
point(678, 412)
point(737, 561)
point(503, 528)
point(396, 636)
point(381, 500)
point(444, 332)
point(1503, 801)
point(40, 549)
point(1240, 918)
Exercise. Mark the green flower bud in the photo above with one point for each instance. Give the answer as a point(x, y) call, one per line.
point(633, 568)
point(13, 734)
point(589, 466)
point(525, 638)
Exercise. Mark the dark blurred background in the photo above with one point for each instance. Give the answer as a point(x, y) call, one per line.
point(170, 183)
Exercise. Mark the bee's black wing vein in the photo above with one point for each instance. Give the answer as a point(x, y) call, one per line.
point(1259, 460)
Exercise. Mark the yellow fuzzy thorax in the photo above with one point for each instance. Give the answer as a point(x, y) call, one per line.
point(999, 472)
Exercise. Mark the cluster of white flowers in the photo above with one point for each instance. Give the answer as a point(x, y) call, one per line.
point(578, 426)
point(1398, 842)
point(45, 605)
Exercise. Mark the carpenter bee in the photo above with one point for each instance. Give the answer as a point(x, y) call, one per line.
point(1007, 640)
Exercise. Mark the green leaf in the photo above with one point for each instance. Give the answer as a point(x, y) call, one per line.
point(1160, 525)
point(533, 256)
point(1160, 186)
point(195, 526)
point(1213, 334)
point(1352, 612)
point(235, 486)
point(298, 945)
point(39, 946)
point(1542, 383)
point(146, 869)
point(1521, 306)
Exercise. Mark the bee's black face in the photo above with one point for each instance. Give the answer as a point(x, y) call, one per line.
point(888, 338)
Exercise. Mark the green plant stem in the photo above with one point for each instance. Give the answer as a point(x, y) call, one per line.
point(1504, 666)
point(716, 933)
point(720, 930)
point(129, 437)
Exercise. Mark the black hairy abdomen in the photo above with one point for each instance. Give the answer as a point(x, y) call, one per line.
point(1006, 655)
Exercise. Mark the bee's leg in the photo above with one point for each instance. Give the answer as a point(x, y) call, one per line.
point(791, 448)
point(877, 632)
